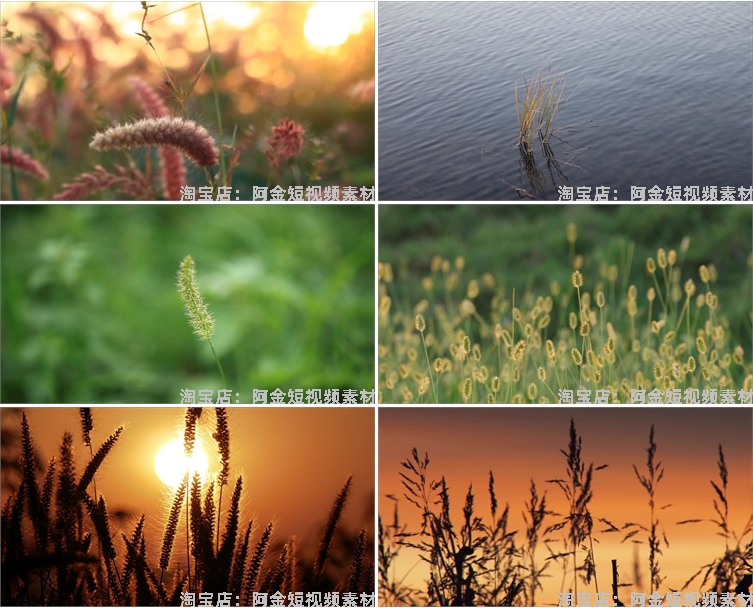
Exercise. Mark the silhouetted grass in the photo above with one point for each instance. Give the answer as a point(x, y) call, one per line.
point(59, 549)
point(475, 563)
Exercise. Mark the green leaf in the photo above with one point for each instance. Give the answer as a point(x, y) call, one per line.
point(14, 103)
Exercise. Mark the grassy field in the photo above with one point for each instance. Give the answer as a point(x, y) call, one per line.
point(91, 311)
point(511, 304)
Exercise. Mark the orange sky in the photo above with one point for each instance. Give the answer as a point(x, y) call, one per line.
point(518, 444)
point(293, 460)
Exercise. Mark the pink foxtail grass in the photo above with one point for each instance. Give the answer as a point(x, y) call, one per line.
point(22, 161)
point(173, 167)
point(130, 182)
point(194, 140)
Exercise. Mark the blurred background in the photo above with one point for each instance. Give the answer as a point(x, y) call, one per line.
point(526, 247)
point(310, 62)
point(91, 311)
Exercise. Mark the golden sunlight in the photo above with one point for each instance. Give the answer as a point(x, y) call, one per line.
point(171, 462)
point(329, 24)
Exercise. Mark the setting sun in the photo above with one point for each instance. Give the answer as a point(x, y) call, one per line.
point(330, 24)
point(171, 462)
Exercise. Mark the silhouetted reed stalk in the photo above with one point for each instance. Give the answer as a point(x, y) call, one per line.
point(579, 522)
point(329, 530)
point(650, 482)
point(737, 561)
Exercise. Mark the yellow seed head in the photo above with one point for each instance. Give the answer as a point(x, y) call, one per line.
point(541, 373)
point(577, 279)
point(527, 330)
point(424, 386)
point(691, 363)
point(495, 384)
point(477, 352)
point(703, 271)
point(437, 365)
point(700, 345)
point(550, 351)
point(600, 299)
point(554, 288)
point(585, 329)
point(612, 272)
point(387, 273)
point(651, 294)
point(573, 320)
point(576, 356)
point(420, 323)
point(467, 387)
point(632, 308)
point(748, 382)
point(672, 257)
point(651, 265)
point(427, 283)
point(490, 398)
point(572, 233)
point(544, 321)
point(473, 289)
point(467, 344)
point(661, 258)
point(578, 262)
point(519, 351)
point(445, 266)
point(632, 293)
point(460, 262)
point(706, 373)
point(738, 354)
point(412, 354)
point(712, 272)
point(711, 300)
point(516, 314)
point(689, 287)
point(657, 371)
point(669, 336)
point(609, 346)
point(488, 280)
point(532, 391)
point(402, 369)
point(436, 262)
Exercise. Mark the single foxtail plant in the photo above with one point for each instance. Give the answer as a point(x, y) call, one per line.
point(198, 314)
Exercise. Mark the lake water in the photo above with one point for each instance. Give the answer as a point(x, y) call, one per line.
point(664, 97)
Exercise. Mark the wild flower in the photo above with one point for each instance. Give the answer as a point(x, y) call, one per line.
point(196, 309)
point(173, 168)
point(22, 161)
point(130, 182)
point(194, 140)
point(286, 141)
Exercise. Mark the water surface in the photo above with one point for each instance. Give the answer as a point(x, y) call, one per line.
point(663, 96)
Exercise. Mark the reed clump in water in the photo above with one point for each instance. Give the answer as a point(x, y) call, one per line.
point(538, 110)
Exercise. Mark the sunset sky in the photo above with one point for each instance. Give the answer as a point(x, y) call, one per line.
point(293, 460)
point(520, 444)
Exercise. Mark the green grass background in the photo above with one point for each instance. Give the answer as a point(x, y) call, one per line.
point(91, 312)
point(525, 247)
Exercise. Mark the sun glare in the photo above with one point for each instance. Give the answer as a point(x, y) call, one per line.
point(171, 462)
point(329, 24)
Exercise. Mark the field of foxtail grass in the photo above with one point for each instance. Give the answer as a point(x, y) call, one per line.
point(475, 340)
point(482, 560)
point(59, 546)
point(91, 112)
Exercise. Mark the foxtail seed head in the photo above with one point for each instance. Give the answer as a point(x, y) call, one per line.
point(577, 279)
point(196, 309)
point(420, 323)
